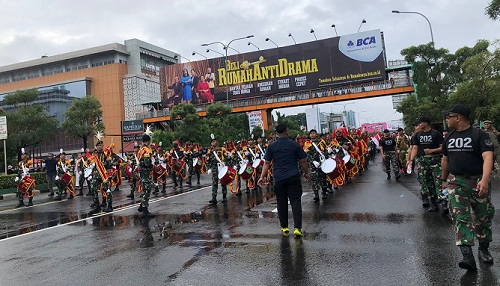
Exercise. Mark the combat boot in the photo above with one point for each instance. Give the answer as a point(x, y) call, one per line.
point(316, 196)
point(58, 198)
point(239, 193)
point(388, 175)
point(80, 193)
point(103, 204)
point(398, 176)
point(70, 197)
point(213, 201)
point(157, 190)
point(131, 196)
point(224, 197)
point(198, 179)
point(95, 210)
point(484, 254)
point(141, 208)
point(146, 213)
point(109, 208)
point(188, 182)
point(20, 204)
point(425, 201)
point(444, 207)
point(30, 203)
point(164, 189)
point(433, 207)
point(468, 262)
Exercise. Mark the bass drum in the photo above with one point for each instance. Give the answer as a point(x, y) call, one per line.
point(226, 175)
point(25, 184)
point(246, 171)
point(329, 167)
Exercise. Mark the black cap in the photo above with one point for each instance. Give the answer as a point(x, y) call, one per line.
point(51, 154)
point(400, 129)
point(459, 109)
point(146, 138)
point(280, 128)
point(386, 130)
point(99, 142)
point(312, 130)
point(424, 119)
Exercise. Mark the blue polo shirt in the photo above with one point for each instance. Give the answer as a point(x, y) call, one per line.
point(286, 154)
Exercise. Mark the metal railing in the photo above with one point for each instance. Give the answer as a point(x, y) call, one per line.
point(294, 96)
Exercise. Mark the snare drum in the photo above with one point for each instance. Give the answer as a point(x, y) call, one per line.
point(25, 184)
point(179, 165)
point(65, 179)
point(88, 171)
point(258, 164)
point(158, 171)
point(246, 171)
point(329, 167)
point(198, 163)
point(226, 175)
point(349, 162)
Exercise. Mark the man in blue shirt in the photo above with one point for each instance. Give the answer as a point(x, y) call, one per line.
point(286, 155)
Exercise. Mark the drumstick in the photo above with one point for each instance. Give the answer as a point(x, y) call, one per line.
point(321, 155)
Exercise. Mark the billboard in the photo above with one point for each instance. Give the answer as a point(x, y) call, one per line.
point(374, 127)
point(338, 61)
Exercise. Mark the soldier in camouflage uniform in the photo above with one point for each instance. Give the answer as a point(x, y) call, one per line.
point(428, 146)
point(134, 171)
point(314, 160)
point(145, 167)
point(213, 165)
point(402, 144)
point(192, 151)
point(467, 165)
point(99, 180)
point(389, 153)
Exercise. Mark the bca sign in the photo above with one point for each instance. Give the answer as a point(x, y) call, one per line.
point(3, 127)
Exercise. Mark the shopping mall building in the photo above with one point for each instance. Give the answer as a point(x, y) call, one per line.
point(120, 76)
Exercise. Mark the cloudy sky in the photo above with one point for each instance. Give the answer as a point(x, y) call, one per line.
point(30, 29)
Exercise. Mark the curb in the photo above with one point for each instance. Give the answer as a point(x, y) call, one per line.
point(13, 195)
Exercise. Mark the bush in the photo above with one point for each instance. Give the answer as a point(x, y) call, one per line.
point(8, 181)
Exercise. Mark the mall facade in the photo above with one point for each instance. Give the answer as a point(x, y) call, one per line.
point(120, 76)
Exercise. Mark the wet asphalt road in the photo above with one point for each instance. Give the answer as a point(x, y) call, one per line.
point(369, 232)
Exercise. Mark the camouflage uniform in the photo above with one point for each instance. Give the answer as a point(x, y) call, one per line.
point(429, 168)
point(97, 181)
point(145, 167)
point(403, 144)
point(189, 156)
point(391, 160)
point(212, 164)
point(463, 198)
point(318, 177)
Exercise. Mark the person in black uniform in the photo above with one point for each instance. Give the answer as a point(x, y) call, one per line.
point(427, 152)
point(389, 154)
point(467, 164)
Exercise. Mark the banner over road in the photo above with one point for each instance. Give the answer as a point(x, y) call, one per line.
point(349, 59)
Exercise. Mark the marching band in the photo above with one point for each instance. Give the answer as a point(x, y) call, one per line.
point(332, 163)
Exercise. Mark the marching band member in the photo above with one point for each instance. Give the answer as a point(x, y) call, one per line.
point(144, 157)
point(100, 179)
point(245, 153)
point(134, 165)
point(192, 151)
point(315, 158)
point(64, 179)
point(82, 164)
point(178, 165)
point(159, 162)
point(27, 185)
point(233, 160)
point(214, 158)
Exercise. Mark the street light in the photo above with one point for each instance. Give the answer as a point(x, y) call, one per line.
point(179, 56)
point(225, 59)
point(269, 40)
point(250, 43)
point(410, 12)
point(210, 50)
point(362, 22)
point(333, 26)
point(232, 49)
point(312, 32)
point(195, 53)
point(359, 113)
point(290, 35)
point(345, 112)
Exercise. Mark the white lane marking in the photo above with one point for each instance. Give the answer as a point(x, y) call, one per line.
point(105, 213)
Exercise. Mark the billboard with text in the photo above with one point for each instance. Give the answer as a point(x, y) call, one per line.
point(339, 61)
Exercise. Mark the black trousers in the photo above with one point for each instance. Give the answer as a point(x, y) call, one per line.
point(289, 188)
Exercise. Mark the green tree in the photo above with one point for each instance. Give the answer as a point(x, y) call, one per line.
point(493, 9)
point(480, 89)
point(29, 124)
point(83, 119)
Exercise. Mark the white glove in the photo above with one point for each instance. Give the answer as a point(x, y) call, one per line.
point(16, 179)
point(130, 170)
point(246, 153)
point(80, 172)
point(229, 154)
point(316, 164)
point(57, 178)
point(108, 192)
point(330, 150)
point(209, 171)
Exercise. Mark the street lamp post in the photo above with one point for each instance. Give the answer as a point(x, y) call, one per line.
point(359, 121)
point(362, 22)
point(269, 40)
point(250, 43)
point(226, 47)
point(411, 12)
point(195, 53)
point(290, 35)
point(345, 112)
point(233, 49)
point(312, 32)
point(333, 26)
point(210, 50)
